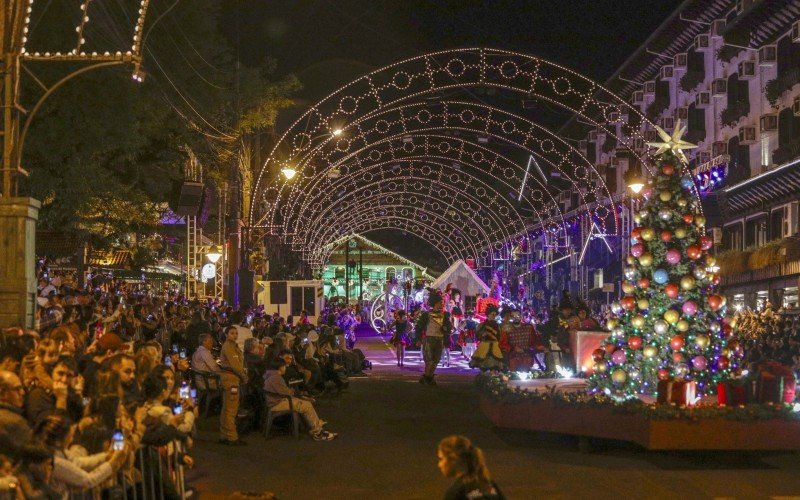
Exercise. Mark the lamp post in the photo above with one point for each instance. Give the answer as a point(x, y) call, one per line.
point(635, 181)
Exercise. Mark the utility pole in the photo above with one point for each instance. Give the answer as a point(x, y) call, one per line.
point(18, 215)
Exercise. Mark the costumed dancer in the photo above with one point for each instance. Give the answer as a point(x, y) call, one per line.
point(400, 336)
point(455, 307)
point(466, 337)
point(517, 341)
point(433, 327)
point(488, 356)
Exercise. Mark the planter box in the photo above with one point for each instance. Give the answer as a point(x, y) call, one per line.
point(674, 434)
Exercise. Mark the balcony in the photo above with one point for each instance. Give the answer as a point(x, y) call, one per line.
point(695, 136)
point(777, 258)
point(734, 112)
point(786, 152)
point(774, 88)
point(692, 79)
point(655, 108)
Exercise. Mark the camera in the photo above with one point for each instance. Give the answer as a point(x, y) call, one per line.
point(177, 409)
point(118, 440)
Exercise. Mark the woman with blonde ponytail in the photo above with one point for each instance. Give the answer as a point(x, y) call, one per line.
point(460, 459)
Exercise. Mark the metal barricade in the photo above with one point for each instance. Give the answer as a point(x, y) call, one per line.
point(159, 472)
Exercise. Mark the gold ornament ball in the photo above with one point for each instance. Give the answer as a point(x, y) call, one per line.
point(650, 351)
point(600, 367)
point(680, 232)
point(627, 287)
point(725, 352)
point(681, 202)
point(648, 233)
point(619, 376)
point(665, 196)
point(646, 260)
point(637, 321)
point(671, 316)
point(682, 325)
point(702, 341)
point(710, 261)
point(612, 323)
point(630, 260)
point(687, 283)
point(700, 221)
point(643, 303)
point(637, 219)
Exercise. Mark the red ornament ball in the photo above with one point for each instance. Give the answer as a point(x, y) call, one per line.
point(676, 342)
point(610, 348)
point(668, 169)
point(672, 290)
point(598, 355)
point(644, 283)
point(677, 357)
point(723, 362)
point(694, 252)
point(714, 302)
point(706, 243)
point(727, 330)
point(636, 233)
point(628, 303)
point(635, 342)
point(666, 236)
point(688, 218)
point(663, 374)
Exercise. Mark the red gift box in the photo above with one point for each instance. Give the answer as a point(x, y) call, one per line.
point(680, 392)
point(731, 393)
point(776, 384)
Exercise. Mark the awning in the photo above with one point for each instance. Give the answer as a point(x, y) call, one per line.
point(773, 186)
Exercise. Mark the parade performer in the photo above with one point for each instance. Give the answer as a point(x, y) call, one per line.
point(455, 307)
point(488, 356)
point(466, 336)
point(434, 328)
point(518, 341)
point(400, 336)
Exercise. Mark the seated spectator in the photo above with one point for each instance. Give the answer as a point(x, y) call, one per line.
point(203, 360)
point(276, 389)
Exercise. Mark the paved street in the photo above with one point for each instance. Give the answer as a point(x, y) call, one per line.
point(389, 426)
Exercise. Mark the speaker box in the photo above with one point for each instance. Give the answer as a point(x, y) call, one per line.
point(278, 292)
point(246, 280)
point(191, 199)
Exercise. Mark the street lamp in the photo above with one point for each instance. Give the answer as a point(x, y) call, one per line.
point(288, 172)
point(214, 254)
point(634, 179)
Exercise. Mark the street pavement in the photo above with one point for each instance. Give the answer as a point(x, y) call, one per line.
point(389, 426)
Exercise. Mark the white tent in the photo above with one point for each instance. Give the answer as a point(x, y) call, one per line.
point(463, 278)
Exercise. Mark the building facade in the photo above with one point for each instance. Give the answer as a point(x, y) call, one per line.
point(730, 70)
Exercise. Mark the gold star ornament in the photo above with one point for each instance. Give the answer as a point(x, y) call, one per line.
point(672, 142)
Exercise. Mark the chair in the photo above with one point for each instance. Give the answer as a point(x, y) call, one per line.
point(271, 415)
point(209, 390)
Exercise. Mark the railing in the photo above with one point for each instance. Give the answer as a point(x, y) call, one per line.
point(769, 272)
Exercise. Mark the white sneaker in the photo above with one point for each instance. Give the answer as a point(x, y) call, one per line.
point(323, 436)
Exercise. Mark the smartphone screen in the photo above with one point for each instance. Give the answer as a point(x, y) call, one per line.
point(168, 360)
point(193, 393)
point(175, 348)
point(183, 354)
point(118, 440)
point(177, 409)
point(183, 392)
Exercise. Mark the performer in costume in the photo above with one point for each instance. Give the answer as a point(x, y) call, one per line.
point(400, 336)
point(517, 341)
point(488, 356)
point(434, 327)
point(455, 308)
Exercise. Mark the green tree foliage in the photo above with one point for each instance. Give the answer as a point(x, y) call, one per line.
point(104, 151)
point(670, 323)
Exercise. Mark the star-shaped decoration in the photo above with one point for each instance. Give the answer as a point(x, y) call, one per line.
point(672, 142)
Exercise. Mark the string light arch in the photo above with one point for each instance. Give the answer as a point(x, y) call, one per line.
point(395, 110)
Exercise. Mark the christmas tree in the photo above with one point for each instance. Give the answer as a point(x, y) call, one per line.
point(670, 324)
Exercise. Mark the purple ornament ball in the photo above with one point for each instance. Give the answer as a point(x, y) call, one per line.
point(618, 357)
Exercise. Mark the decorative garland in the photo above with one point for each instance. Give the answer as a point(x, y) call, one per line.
point(495, 387)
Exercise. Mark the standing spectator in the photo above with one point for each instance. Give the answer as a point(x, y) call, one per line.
point(238, 320)
point(233, 376)
point(460, 459)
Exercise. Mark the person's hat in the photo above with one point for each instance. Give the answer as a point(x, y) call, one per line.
point(313, 336)
point(111, 342)
point(491, 309)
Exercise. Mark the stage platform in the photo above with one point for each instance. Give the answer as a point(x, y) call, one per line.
point(605, 421)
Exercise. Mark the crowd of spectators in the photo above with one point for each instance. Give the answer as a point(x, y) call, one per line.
point(103, 396)
point(769, 334)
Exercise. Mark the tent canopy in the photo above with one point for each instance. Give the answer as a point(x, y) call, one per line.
point(463, 278)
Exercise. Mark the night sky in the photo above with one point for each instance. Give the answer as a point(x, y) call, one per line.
point(328, 43)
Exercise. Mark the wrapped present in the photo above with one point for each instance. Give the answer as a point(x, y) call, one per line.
point(679, 392)
point(735, 392)
point(776, 384)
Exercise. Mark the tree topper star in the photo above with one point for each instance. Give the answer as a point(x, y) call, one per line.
point(672, 142)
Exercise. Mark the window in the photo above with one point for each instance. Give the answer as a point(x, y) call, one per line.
point(776, 224)
point(790, 297)
point(761, 299)
point(756, 232)
point(391, 273)
point(732, 237)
